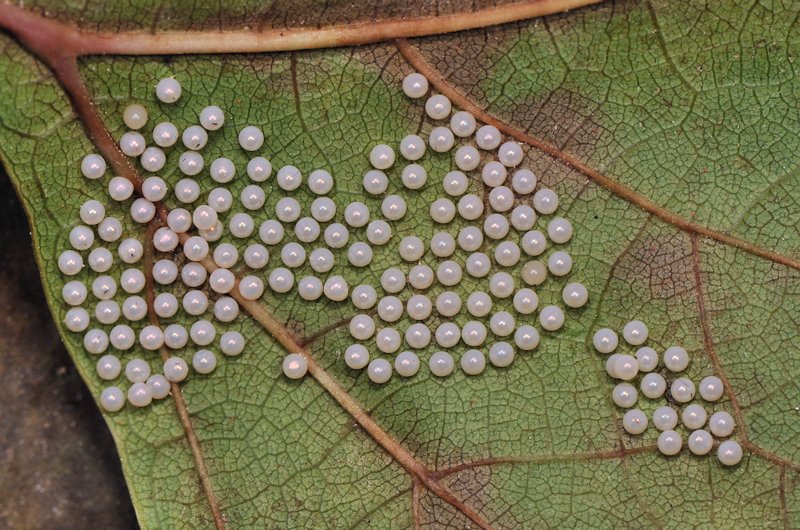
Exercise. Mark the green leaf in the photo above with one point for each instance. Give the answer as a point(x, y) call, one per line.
point(669, 132)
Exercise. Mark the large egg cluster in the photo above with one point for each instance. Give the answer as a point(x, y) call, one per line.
point(475, 297)
point(467, 289)
point(661, 377)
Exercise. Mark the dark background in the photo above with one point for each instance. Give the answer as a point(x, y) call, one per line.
point(58, 464)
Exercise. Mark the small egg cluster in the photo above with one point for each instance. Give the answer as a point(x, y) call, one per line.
point(662, 378)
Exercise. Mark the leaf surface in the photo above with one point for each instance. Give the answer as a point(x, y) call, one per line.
point(690, 112)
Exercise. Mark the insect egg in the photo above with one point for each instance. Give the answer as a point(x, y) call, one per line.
point(204, 362)
point(415, 85)
point(478, 265)
point(634, 421)
point(624, 395)
point(467, 158)
point(359, 254)
point(470, 207)
point(176, 336)
point(494, 174)
point(158, 385)
point(510, 154)
point(194, 137)
point(502, 323)
point(310, 288)
point(653, 385)
point(222, 170)
point(336, 289)
point(81, 237)
point(356, 356)
point(168, 90)
point(93, 166)
point(559, 230)
point(289, 178)
point(442, 210)
point(259, 169)
point(700, 442)
point(676, 359)
point(441, 364)
point(393, 280)
point(187, 191)
point(379, 371)
point(120, 189)
point(132, 143)
point(665, 418)
point(501, 354)
point(256, 256)
point(523, 181)
point(694, 416)
point(356, 214)
point(232, 343)
point(364, 296)
point(388, 340)
point(70, 262)
point(134, 116)
point(635, 332)
point(190, 163)
point(526, 338)
point(711, 388)
point(153, 159)
point(74, 293)
point(647, 359)
point(721, 424)
point(419, 307)
point(108, 367)
point(175, 369)
point(523, 217)
point(501, 199)
point(381, 156)
point(253, 197)
point(669, 442)
point(507, 254)
point(421, 277)
point(448, 303)
point(462, 123)
point(212, 118)
point(605, 340)
point(412, 147)
point(251, 138)
point(682, 390)
point(112, 399)
point(414, 176)
point(362, 327)
point(545, 201)
point(165, 134)
point(559, 263)
point(406, 364)
point(295, 366)
point(441, 139)
point(455, 183)
point(393, 207)
point(379, 232)
point(575, 295)
point(729, 453)
point(288, 209)
point(447, 335)
point(487, 137)
point(473, 362)
point(438, 107)
point(479, 304)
